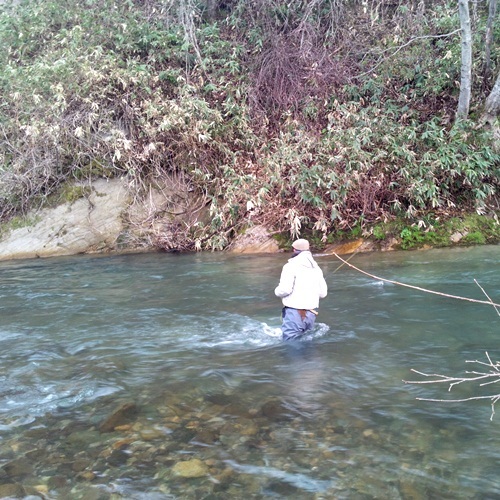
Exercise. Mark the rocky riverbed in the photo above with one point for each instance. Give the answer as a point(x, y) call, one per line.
point(182, 443)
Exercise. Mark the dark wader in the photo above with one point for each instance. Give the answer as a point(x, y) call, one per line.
point(296, 322)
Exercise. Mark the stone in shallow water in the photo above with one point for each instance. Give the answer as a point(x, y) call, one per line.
point(86, 475)
point(83, 438)
point(248, 427)
point(190, 468)
point(38, 433)
point(18, 468)
point(275, 411)
point(56, 482)
point(182, 435)
point(151, 434)
point(118, 457)
point(80, 464)
point(120, 416)
point(36, 454)
point(11, 491)
point(282, 489)
point(412, 490)
point(207, 436)
point(220, 399)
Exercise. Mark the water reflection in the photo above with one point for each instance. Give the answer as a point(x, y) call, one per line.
point(181, 357)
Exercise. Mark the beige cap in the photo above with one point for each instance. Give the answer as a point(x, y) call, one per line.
point(300, 244)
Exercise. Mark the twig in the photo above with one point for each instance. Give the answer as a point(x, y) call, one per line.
point(401, 47)
point(478, 376)
point(452, 380)
point(494, 400)
point(492, 303)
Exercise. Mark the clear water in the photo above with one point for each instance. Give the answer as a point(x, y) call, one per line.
point(193, 341)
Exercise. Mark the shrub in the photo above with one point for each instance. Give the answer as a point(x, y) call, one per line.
point(275, 115)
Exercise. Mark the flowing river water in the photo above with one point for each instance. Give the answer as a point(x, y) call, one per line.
point(162, 376)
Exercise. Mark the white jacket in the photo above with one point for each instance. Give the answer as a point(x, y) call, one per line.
point(302, 283)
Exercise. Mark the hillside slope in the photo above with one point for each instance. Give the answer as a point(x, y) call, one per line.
point(319, 118)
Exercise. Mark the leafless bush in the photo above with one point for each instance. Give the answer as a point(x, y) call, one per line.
point(370, 198)
point(294, 68)
point(33, 175)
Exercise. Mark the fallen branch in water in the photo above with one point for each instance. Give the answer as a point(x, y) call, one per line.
point(486, 378)
point(488, 297)
point(491, 377)
point(458, 297)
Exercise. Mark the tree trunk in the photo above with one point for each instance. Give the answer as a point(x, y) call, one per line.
point(492, 106)
point(488, 41)
point(466, 70)
point(210, 9)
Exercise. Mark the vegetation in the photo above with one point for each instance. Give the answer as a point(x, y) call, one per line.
point(434, 231)
point(312, 116)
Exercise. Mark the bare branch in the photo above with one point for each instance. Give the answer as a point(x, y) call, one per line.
point(494, 374)
point(417, 287)
point(401, 47)
point(493, 304)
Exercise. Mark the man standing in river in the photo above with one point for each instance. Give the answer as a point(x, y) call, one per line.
point(301, 286)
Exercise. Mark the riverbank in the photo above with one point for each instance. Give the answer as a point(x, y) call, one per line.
point(234, 120)
point(108, 217)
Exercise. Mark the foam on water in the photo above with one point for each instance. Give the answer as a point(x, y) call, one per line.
point(299, 480)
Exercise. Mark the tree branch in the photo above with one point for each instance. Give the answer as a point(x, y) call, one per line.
point(458, 297)
point(494, 374)
point(401, 47)
point(488, 297)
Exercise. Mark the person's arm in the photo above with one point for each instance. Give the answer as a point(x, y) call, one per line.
point(286, 283)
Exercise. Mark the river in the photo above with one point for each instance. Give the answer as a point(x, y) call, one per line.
point(163, 376)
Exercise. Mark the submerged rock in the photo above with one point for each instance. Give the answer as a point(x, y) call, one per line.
point(83, 438)
point(282, 489)
point(275, 411)
point(190, 468)
point(11, 490)
point(18, 468)
point(151, 434)
point(120, 416)
point(118, 457)
point(207, 436)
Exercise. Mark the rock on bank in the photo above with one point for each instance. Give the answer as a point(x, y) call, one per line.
point(110, 217)
point(92, 223)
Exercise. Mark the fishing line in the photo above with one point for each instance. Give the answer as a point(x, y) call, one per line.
point(488, 302)
point(342, 265)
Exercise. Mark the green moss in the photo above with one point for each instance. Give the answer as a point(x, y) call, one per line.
point(488, 226)
point(378, 233)
point(436, 232)
point(316, 238)
point(95, 168)
point(71, 193)
point(283, 240)
point(18, 222)
point(67, 193)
